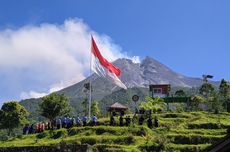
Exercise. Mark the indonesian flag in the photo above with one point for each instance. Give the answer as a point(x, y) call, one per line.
point(104, 68)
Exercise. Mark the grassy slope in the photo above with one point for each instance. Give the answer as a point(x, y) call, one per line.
point(177, 132)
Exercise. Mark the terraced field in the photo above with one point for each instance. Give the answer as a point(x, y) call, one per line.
point(177, 132)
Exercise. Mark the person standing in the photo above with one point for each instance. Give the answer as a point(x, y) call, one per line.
point(73, 120)
point(58, 123)
point(78, 121)
point(68, 122)
point(48, 125)
point(127, 120)
point(156, 124)
point(31, 130)
point(112, 120)
point(141, 120)
point(84, 120)
point(42, 126)
point(150, 122)
point(64, 122)
point(94, 118)
point(121, 121)
point(37, 128)
point(26, 129)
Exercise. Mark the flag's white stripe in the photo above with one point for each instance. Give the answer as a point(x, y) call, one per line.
point(103, 72)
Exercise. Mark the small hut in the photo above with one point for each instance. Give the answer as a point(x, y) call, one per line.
point(117, 107)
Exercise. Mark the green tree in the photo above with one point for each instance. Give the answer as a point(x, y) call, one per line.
point(12, 115)
point(224, 91)
point(206, 89)
point(224, 87)
point(54, 105)
point(180, 93)
point(95, 108)
point(195, 102)
point(214, 102)
point(153, 104)
point(228, 102)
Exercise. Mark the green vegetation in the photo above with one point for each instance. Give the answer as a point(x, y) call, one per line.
point(186, 131)
point(195, 102)
point(224, 93)
point(180, 93)
point(153, 105)
point(54, 105)
point(186, 123)
point(12, 115)
point(95, 110)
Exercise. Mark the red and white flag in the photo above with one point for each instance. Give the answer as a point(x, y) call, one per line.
point(104, 68)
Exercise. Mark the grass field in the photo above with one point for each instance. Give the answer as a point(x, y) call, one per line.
point(177, 132)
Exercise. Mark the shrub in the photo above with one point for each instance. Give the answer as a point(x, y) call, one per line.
point(113, 131)
point(124, 140)
point(130, 140)
point(175, 115)
point(90, 141)
point(106, 148)
point(194, 139)
point(141, 132)
point(100, 131)
point(205, 126)
point(4, 137)
point(59, 133)
point(42, 135)
point(73, 131)
point(150, 147)
point(19, 136)
point(185, 148)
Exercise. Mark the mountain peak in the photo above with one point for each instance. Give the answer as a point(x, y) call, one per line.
point(150, 71)
point(149, 60)
point(123, 61)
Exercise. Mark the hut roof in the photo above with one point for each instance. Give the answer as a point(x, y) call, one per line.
point(117, 106)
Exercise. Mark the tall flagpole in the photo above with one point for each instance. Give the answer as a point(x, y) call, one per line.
point(90, 81)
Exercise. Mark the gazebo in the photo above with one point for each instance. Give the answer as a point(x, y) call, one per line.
point(117, 107)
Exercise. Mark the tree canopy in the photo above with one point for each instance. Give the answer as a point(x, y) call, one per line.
point(153, 105)
point(206, 89)
point(196, 101)
point(12, 115)
point(180, 93)
point(54, 105)
point(224, 93)
point(95, 108)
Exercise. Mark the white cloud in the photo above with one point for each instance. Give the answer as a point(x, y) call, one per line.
point(31, 94)
point(136, 59)
point(49, 57)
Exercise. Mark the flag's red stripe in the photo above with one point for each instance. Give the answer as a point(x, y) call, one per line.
point(103, 61)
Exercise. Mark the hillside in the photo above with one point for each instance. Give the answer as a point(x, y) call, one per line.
point(137, 76)
point(182, 132)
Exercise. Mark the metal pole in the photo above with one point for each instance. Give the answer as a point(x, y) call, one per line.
point(90, 81)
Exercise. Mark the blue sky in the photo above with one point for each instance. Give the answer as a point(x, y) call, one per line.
point(191, 37)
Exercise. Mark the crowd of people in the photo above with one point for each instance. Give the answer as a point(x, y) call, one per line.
point(64, 122)
point(142, 118)
point(68, 122)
